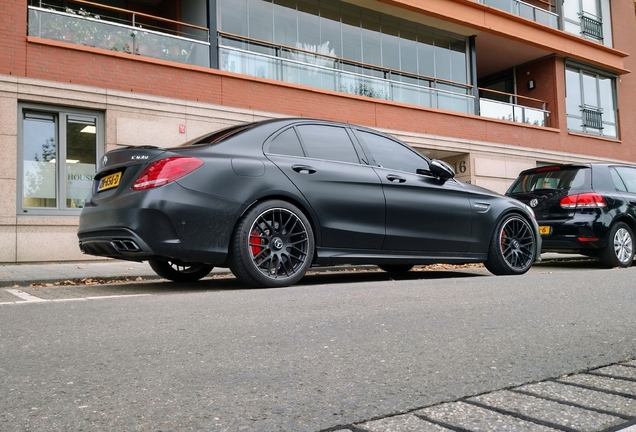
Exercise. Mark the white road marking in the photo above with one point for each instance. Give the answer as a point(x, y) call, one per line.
point(28, 298)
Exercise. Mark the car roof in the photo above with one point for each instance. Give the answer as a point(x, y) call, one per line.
point(570, 166)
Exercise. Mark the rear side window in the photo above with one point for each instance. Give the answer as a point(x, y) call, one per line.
point(624, 179)
point(286, 143)
point(573, 178)
point(328, 143)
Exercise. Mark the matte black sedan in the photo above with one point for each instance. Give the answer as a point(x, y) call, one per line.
point(583, 208)
point(270, 199)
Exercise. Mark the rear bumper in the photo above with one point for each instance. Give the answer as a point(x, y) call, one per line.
point(583, 233)
point(169, 222)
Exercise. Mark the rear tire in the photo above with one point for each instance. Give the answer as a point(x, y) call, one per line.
point(272, 246)
point(395, 268)
point(179, 271)
point(512, 247)
point(619, 251)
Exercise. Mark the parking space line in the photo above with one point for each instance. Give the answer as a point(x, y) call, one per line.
point(29, 298)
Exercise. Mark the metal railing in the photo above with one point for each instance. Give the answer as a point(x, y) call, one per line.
point(591, 27)
point(545, 16)
point(512, 110)
point(83, 28)
point(294, 65)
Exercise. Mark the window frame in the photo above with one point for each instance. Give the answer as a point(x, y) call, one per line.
point(584, 70)
point(61, 114)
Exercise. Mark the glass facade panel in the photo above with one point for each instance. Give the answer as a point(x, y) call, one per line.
point(39, 174)
point(330, 36)
point(81, 155)
point(408, 48)
point(573, 91)
point(233, 16)
point(371, 45)
point(426, 53)
point(285, 24)
point(309, 26)
point(390, 45)
point(351, 35)
point(260, 16)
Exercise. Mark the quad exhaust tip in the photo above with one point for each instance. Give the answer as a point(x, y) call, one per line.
point(125, 246)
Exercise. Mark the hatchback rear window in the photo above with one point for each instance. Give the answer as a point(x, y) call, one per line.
point(569, 178)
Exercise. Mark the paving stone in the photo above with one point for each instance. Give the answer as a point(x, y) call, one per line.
point(580, 396)
point(403, 423)
point(548, 411)
point(618, 371)
point(603, 383)
point(477, 419)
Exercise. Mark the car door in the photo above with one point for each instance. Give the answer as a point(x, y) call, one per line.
point(624, 179)
point(345, 194)
point(423, 213)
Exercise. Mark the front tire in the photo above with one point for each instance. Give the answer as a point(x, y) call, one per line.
point(619, 251)
point(272, 246)
point(512, 247)
point(179, 271)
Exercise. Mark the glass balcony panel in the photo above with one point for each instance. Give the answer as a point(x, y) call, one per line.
point(295, 66)
point(525, 10)
point(496, 110)
point(88, 31)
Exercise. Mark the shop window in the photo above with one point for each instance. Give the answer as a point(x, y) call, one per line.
point(59, 150)
point(591, 101)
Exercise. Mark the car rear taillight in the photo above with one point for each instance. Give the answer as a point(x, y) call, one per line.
point(584, 200)
point(165, 171)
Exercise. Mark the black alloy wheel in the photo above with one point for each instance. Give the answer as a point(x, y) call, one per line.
point(179, 271)
point(272, 246)
point(512, 247)
point(395, 268)
point(619, 251)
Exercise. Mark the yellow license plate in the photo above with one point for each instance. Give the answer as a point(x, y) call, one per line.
point(109, 182)
point(545, 229)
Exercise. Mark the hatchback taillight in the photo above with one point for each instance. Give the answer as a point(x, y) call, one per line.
point(584, 200)
point(165, 171)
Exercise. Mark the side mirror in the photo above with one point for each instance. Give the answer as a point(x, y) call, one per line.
point(442, 170)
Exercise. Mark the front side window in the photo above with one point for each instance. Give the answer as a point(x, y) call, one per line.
point(392, 155)
point(59, 151)
point(590, 102)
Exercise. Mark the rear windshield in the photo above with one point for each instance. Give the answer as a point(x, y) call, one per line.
point(569, 178)
point(218, 136)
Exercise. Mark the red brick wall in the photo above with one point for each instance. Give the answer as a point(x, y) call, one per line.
point(13, 29)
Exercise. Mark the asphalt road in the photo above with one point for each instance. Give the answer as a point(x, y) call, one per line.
point(356, 351)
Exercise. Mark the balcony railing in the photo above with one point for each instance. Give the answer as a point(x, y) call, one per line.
point(82, 28)
point(261, 59)
point(513, 111)
point(545, 16)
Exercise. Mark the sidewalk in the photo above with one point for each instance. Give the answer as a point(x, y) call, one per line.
point(27, 274)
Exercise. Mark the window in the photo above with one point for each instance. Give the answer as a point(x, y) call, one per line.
point(59, 152)
point(624, 179)
point(328, 143)
point(287, 144)
point(590, 102)
point(392, 155)
point(589, 19)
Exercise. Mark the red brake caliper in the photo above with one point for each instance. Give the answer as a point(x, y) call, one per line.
point(256, 239)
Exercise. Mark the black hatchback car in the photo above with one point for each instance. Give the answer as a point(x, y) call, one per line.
point(270, 199)
point(586, 208)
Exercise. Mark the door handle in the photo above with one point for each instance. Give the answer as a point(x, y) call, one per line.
point(304, 169)
point(395, 178)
